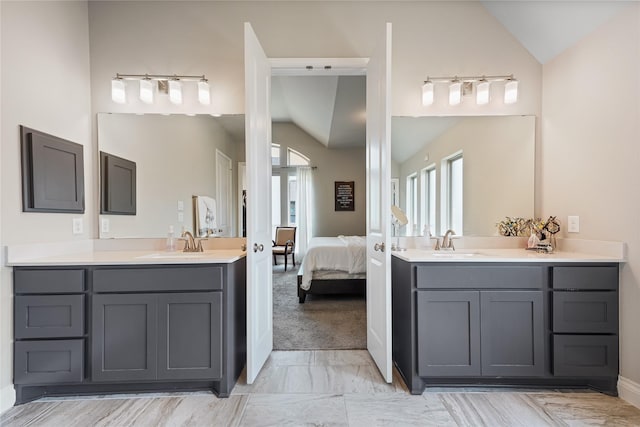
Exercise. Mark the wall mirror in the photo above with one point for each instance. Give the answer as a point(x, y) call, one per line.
point(463, 173)
point(177, 157)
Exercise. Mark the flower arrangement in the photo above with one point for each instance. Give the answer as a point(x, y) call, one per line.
point(516, 226)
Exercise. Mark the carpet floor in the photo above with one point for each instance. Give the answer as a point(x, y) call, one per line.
point(323, 322)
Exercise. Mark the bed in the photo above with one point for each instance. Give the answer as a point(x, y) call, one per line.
point(333, 265)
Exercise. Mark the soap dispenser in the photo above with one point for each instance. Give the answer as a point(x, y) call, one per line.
point(171, 240)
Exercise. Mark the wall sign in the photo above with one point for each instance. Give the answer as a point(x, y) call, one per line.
point(344, 192)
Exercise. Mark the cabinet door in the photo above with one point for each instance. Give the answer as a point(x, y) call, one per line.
point(448, 333)
point(190, 336)
point(512, 330)
point(124, 337)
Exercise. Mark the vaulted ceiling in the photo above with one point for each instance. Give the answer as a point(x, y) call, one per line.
point(332, 108)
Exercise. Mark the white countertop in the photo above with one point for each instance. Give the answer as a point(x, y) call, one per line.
point(138, 257)
point(499, 255)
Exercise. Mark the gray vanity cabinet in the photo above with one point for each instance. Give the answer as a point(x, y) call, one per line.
point(529, 323)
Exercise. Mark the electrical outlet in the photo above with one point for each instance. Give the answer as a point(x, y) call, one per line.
point(181, 217)
point(77, 226)
point(573, 224)
point(180, 205)
point(104, 225)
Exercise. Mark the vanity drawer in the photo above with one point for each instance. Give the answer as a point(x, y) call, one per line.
point(49, 316)
point(585, 355)
point(474, 277)
point(48, 362)
point(585, 277)
point(48, 281)
point(158, 279)
point(590, 312)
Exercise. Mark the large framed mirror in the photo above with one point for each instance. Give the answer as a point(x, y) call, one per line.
point(177, 157)
point(463, 173)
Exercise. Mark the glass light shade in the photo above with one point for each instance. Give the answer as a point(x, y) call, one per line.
point(204, 94)
point(146, 91)
point(427, 93)
point(482, 92)
point(511, 92)
point(455, 92)
point(118, 94)
point(175, 91)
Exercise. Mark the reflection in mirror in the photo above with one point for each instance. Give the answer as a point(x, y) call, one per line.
point(463, 173)
point(177, 157)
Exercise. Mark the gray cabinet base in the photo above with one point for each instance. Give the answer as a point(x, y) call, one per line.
point(28, 393)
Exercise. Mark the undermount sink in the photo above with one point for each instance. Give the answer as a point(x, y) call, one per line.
point(456, 254)
point(174, 255)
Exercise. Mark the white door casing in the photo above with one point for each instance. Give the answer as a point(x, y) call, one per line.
point(379, 206)
point(242, 179)
point(224, 171)
point(258, 155)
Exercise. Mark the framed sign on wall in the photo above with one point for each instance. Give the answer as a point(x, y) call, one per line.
point(344, 195)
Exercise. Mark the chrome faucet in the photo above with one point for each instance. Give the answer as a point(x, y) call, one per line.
point(191, 244)
point(447, 242)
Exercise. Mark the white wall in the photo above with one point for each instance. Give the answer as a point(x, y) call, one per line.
point(591, 153)
point(347, 164)
point(45, 85)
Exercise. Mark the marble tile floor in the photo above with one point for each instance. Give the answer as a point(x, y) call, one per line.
point(330, 388)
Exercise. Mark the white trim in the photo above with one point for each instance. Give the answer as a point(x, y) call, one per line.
point(629, 390)
point(7, 398)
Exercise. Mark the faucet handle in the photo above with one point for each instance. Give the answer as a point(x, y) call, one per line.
point(437, 246)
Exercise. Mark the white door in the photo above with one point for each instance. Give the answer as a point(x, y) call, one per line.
point(242, 187)
point(379, 206)
point(257, 75)
point(224, 170)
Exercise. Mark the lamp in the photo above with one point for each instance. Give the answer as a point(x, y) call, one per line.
point(175, 91)
point(455, 92)
point(118, 94)
point(167, 83)
point(511, 91)
point(204, 93)
point(399, 219)
point(146, 90)
point(482, 92)
point(427, 93)
point(482, 86)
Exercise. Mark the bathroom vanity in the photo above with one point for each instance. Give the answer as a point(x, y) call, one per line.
point(129, 322)
point(505, 317)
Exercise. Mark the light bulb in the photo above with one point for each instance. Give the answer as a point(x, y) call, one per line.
point(482, 92)
point(511, 91)
point(118, 93)
point(146, 91)
point(204, 93)
point(455, 92)
point(175, 91)
point(427, 93)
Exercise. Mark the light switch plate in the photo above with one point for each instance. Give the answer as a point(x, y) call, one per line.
point(573, 224)
point(77, 226)
point(180, 205)
point(104, 225)
point(180, 217)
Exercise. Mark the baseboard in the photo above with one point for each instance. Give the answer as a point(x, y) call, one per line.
point(7, 398)
point(629, 391)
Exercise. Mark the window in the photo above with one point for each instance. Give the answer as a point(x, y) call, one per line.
point(294, 158)
point(285, 185)
point(412, 204)
point(428, 198)
point(293, 194)
point(454, 173)
point(275, 203)
point(275, 155)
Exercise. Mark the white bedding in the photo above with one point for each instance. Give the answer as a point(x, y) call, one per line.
point(343, 253)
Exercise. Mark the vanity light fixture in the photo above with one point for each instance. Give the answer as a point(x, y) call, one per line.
point(146, 90)
point(427, 93)
point(455, 92)
point(170, 84)
point(482, 86)
point(118, 93)
point(175, 91)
